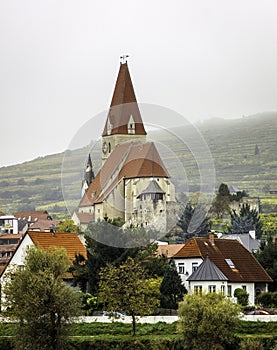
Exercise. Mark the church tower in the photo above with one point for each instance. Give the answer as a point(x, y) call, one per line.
point(124, 121)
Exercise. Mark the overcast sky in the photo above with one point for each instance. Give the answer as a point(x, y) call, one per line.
point(59, 61)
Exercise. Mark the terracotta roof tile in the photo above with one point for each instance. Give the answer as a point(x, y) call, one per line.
point(69, 241)
point(123, 105)
point(169, 250)
point(42, 224)
point(127, 161)
point(247, 268)
point(33, 215)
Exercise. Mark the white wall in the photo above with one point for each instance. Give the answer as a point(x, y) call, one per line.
point(188, 263)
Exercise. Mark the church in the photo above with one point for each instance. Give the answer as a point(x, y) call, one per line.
point(133, 183)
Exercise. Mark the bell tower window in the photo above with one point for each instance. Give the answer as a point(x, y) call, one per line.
point(131, 126)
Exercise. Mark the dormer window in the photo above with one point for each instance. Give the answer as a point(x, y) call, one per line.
point(131, 126)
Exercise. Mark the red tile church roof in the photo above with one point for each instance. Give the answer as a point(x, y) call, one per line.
point(129, 160)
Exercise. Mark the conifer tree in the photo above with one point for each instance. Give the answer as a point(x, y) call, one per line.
point(246, 220)
point(172, 290)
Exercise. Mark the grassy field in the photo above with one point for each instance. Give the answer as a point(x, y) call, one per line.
point(151, 336)
point(243, 151)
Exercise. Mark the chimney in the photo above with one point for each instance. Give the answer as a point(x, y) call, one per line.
point(211, 238)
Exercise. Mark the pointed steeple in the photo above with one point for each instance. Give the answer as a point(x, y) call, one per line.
point(124, 116)
point(89, 174)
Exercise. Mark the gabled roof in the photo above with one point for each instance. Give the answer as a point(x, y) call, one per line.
point(123, 105)
point(43, 225)
point(246, 267)
point(233, 189)
point(245, 239)
point(33, 215)
point(207, 271)
point(84, 218)
point(153, 187)
point(127, 161)
point(46, 240)
point(69, 241)
point(169, 250)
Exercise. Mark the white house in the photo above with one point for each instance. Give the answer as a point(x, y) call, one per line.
point(220, 265)
point(45, 240)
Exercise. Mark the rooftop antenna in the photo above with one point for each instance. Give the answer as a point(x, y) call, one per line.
point(123, 58)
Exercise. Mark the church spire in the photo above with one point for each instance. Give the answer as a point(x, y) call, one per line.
point(124, 116)
point(89, 173)
point(88, 176)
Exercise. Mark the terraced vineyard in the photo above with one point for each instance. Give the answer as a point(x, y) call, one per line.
point(244, 152)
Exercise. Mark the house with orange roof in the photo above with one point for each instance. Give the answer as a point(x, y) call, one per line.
point(133, 183)
point(45, 240)
point(220, 265)
point(169, 250)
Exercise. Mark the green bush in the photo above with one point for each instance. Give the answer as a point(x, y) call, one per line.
point(242, 296)
point(268, 299)
point(251, 344)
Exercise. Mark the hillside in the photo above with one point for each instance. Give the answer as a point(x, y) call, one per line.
point(244, 152)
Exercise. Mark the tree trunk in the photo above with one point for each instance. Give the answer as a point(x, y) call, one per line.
point(134, 324)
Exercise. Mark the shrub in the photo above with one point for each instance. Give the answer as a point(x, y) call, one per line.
point(207, 321)
point(266, 299)
point(251, 344)
point(242, 296)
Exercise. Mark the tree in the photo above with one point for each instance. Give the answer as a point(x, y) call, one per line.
point(67, 226)
point(39, 300)
point(221, 203)
point(172, 290)
point(247, 220)
point(267, 257)
point(223, 190)
point(207, 321)
point(127, 289)
point(193, 222)
point(100, 255)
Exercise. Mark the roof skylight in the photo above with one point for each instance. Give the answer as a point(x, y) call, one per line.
point(230, 263)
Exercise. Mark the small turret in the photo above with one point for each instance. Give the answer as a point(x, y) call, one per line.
point(88, 176)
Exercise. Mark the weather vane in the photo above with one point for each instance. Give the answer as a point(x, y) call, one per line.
point(123, 58)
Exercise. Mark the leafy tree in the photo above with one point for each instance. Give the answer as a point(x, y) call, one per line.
point(67, 226)
point(79, 270)
point(247, 220)
point(221, 203)
point(172, 290)
point(267, 257)
point(100, 255)
point(193, 222)
point(207, 321)
point(242, 296)
point(223, 190)
point(89, 303)
point(39, 300)
point(127, 289)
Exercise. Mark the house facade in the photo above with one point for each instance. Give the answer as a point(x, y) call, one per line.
point(45, 240)
point(133, 183)
point(219, 265)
